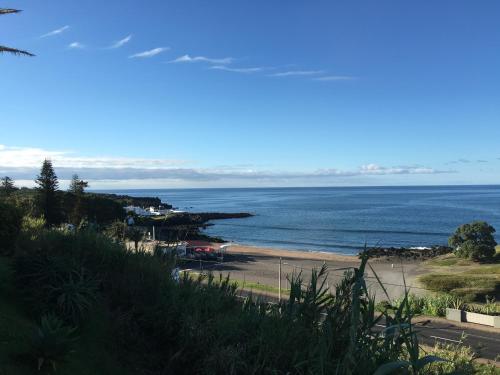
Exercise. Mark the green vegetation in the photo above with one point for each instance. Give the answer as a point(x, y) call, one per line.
point(252, 286)
point(436, 305)
point(6, 186)
point(474, 241)
point(194, 326)
point(80, 302)
point(48, 200)
point(10, 226)
point(462, 278)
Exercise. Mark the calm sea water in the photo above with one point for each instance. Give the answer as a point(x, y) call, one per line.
point(339, 219)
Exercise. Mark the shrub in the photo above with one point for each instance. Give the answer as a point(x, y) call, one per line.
point(52, 342)
point(433, 305)
point(117, 230)
point(135, 234)
point(10, 226)
point(474, 241)
point(74, 296)
point(199, 326)
point(32, 226)
point(50, 272)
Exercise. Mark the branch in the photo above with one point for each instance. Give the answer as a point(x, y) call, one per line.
point(14, 51)
point(8, 11)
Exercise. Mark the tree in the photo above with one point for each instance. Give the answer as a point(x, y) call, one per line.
point(47, 198)
point(135, 234)
point(7, 186)
point(77, 186)
point(474, 241)
point(10, 226)
point(4, 49)
point(117, 231)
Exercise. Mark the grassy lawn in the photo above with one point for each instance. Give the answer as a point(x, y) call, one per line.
point(469, 280)
point(94, 351)
point(252, 286)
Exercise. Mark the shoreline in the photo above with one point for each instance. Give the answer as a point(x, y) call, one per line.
point(244, 249)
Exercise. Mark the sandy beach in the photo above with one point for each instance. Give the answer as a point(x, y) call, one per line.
point(261, 265)
point(250, 265)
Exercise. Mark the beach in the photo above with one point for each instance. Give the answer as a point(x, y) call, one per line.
point(252, 266)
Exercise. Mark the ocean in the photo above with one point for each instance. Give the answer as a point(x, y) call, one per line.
point(339, 219)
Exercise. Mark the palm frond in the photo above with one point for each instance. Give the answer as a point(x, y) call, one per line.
point(14, 51)
point(9, 11)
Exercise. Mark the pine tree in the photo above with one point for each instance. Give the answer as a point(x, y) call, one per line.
point(77, 187)
point(48, 200)
point(7, 186)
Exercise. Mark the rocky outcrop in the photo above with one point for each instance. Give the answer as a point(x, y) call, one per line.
point(407, 253)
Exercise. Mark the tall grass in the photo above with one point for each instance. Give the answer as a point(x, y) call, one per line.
point(199, 326)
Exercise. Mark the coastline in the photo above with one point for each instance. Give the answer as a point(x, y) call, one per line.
point(244, 249)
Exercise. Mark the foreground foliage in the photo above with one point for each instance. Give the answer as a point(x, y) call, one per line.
point(200, 325)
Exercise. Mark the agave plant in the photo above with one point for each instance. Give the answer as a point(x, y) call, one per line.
point(75, 296)
point(4, 49)
point(52, 342)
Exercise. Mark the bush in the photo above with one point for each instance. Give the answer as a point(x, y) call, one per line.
point(474, 241)
point(74, 295)
point(468, 287)
point(433, 305)
point(199, 326)
point(10, 226)
point(52, 342)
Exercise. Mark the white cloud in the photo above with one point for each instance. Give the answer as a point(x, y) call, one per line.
point(334, 78)
point(23, 163)
point(32, 157)
point(190, 59)
point(121, 42)
point(374, 169)
point(297, 73)
point(76, 45)
point(55, 32)
point(237, 70)
point(150, 53)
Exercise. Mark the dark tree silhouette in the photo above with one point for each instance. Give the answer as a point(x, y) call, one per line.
point(48, 200)
point(4, 49)
point(7, 186)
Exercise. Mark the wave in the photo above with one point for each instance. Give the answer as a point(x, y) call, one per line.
point(303, 243)
point(336, 230)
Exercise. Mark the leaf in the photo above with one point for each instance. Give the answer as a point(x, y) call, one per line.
point(427, 360)
point(389, 368)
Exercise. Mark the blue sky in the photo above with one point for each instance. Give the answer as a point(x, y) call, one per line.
point(253, 93)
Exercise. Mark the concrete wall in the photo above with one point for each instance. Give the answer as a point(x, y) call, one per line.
point(469, 317)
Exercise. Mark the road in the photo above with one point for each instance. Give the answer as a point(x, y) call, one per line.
point(485, 343)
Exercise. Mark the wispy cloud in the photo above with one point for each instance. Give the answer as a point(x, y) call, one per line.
point(121, 42)
point(238, 70)
point(459, 161)
point(334, 78)
point(55, 32)
point(23, 163)
point(191, 59)
point(297, 73)
point(76, 45)
point(149, 53)
point(26, 157)
point(374, 169)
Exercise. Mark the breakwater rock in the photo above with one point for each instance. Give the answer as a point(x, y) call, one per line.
point(407, 253)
